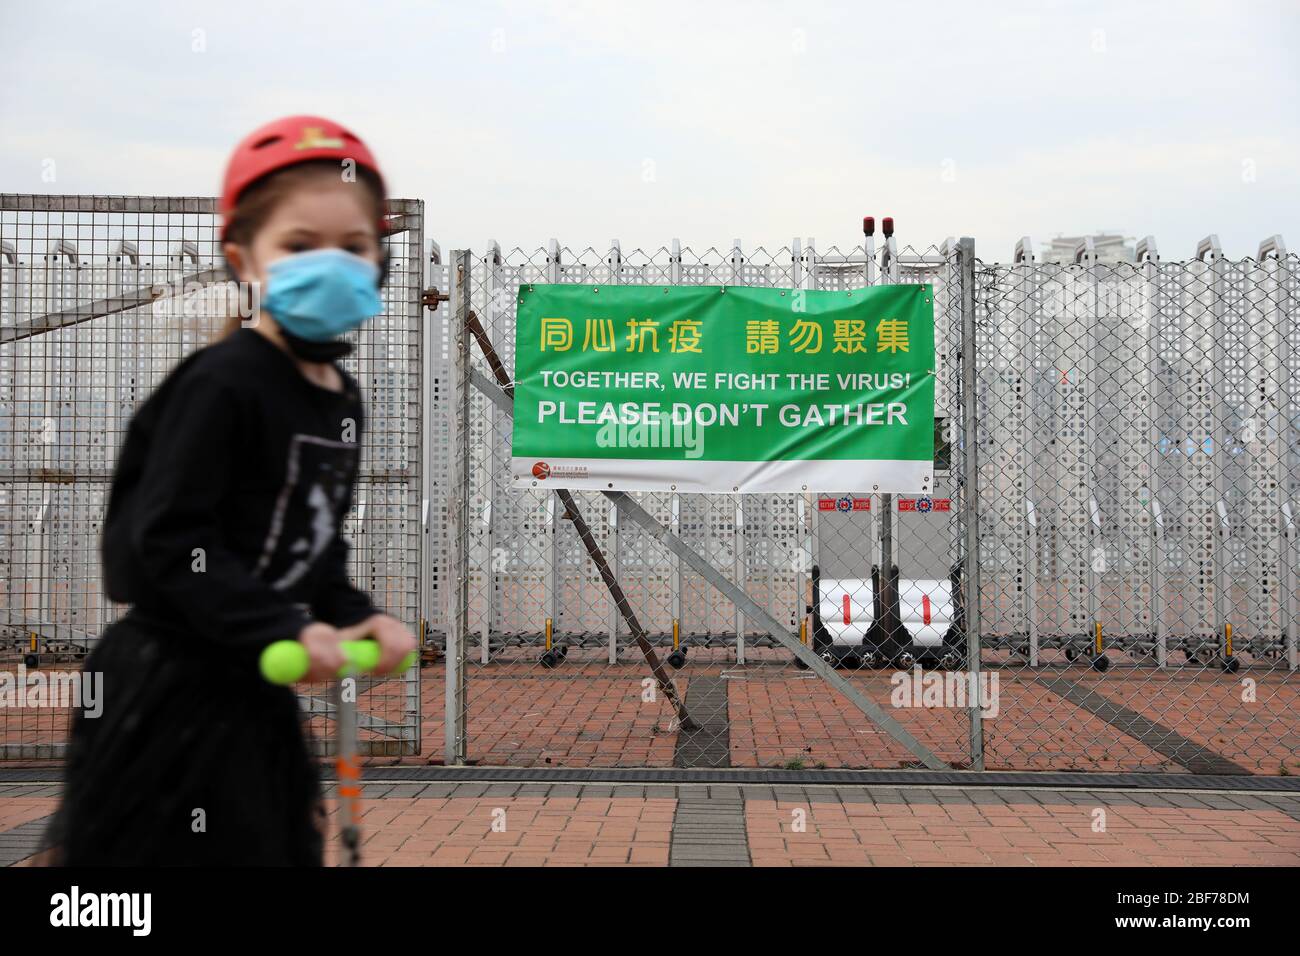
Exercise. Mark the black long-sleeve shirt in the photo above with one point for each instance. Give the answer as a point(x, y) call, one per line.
point(228, 498)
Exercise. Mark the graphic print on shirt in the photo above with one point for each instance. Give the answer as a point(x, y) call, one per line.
point(305, 521)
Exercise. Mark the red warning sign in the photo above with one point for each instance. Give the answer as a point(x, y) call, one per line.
point(924, 504)
point(844, 503)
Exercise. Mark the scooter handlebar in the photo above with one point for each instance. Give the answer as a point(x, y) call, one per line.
point(287, 662)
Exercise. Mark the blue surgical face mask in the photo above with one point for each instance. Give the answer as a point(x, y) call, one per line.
point(322, 294)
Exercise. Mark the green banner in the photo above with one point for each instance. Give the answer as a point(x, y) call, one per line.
point(724, 388)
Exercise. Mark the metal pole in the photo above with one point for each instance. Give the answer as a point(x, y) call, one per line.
point(348, 768)
point(1030, 305)
point(738, 570)
point(458, 517)
point(1148, 260)
point(1289, 427)
point(740, 558)
point(885, 500)
point(612, 544)
point(970, 493)
point(1220, 436)
point(428, 320)
point(886, 552)
point(1272, 261)
point(1095, 560)
point(491, 271)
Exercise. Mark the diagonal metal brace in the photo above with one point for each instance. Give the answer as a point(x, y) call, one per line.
point(100, 308)
point(505, 390)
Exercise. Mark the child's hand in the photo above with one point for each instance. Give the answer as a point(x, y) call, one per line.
point(322, 643)
point(394, 638)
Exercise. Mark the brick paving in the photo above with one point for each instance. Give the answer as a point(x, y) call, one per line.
point(1038, 829)
point(24, 813)
point(1164, 740)
point(18, 806)
point(1261, 735)
point(494, 829)
point(549, 824)
point(587, 713)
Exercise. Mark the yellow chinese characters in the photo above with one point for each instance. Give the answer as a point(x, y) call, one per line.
point(684, 335)
point(641, 331)
point(850, 336)
point(762, 336)
point(557, 334)
point(806, 336)
point(599, 336)
point(891, 335)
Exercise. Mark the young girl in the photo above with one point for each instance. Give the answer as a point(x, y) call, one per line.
point(223, 534)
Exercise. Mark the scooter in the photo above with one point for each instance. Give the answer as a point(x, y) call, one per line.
point(287, 662)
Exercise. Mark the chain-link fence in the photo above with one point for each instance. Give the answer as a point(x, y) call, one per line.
point(1116, 445)
point(1138, 430)
point(99, 298)
point(553, 671)
point(1131, 488)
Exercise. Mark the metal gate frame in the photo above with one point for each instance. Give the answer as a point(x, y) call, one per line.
point(467, 378)
point(152, 259)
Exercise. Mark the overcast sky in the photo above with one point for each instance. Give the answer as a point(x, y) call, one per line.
point(706, 121)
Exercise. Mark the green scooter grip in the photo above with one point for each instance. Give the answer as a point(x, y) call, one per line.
point(286, 662)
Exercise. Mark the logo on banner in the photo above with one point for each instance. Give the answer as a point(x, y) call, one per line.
point(542, 470)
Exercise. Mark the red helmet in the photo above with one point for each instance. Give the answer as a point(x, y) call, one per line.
point(287, 142)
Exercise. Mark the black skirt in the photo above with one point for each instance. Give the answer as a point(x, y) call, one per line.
point(194, 760)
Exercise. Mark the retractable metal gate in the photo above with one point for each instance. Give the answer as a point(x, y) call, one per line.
point(100, 296)
point(544, 667)
point(1139, 426)
point(1115, 479)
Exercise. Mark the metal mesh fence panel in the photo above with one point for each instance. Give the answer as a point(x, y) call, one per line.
point(1138, 439)
point(553, 674)
point(100, 297)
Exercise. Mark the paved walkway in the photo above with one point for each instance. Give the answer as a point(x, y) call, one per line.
point(766, 714)
point(596, 824)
